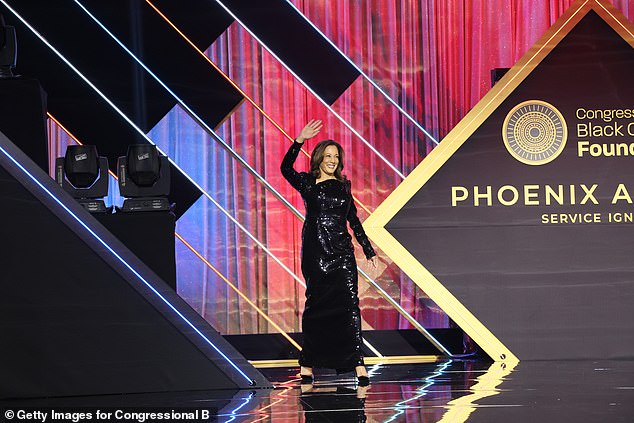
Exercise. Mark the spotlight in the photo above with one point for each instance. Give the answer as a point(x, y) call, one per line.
point(144, 179)
point(8, 49)
point(84, 175)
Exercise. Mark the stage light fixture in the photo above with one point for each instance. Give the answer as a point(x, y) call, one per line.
point(144, 179)
point(84, 175)
point(8, 49)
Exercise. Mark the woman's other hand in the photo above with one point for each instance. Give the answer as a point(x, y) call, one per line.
point(374, 261)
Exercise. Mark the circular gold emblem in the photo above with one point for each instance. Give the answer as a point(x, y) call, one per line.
point(534, 132)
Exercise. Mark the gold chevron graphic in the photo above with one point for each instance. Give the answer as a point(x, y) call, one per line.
point(375, 224)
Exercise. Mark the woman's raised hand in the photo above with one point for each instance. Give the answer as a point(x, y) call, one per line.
point(311, 129)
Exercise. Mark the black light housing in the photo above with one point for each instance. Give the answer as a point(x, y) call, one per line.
point(81, 165)
point(144, 165)
point(144, 179)
point(84, 175)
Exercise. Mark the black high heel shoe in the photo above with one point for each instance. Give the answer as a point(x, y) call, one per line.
point(363, 380)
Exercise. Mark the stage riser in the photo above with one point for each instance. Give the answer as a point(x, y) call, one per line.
point(405, 342)
point(81, 315)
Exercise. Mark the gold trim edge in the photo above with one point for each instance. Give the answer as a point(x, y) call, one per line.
point(401, 359)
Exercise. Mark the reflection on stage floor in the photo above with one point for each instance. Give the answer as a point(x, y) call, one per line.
point(442, 391)
point(456, 391)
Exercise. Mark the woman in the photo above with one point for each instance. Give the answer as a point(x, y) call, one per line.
point(331, 322)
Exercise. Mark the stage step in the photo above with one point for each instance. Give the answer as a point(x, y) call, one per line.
point(398, 342)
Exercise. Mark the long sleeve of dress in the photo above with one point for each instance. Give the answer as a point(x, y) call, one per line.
point(299, 181)
point(359, 233)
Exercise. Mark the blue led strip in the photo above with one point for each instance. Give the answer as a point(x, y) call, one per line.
point(374, 84)
point(126, 264)
point(199, 120)
point(342, 120)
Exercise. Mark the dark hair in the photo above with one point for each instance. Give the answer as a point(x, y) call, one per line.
point(317, 156)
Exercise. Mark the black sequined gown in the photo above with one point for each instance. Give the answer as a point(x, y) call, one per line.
point(331, 322)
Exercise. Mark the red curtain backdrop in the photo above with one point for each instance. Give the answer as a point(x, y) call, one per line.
point(433, 58)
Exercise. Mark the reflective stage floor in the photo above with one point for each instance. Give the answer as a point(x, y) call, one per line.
point(444, 391)
point(457, 391)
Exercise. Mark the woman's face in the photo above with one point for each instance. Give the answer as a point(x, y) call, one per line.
point(330, 161)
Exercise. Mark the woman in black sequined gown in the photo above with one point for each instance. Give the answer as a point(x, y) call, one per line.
point(331, 322)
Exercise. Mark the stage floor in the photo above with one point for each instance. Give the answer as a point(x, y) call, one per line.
point(443, 391)
point(457, 391)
